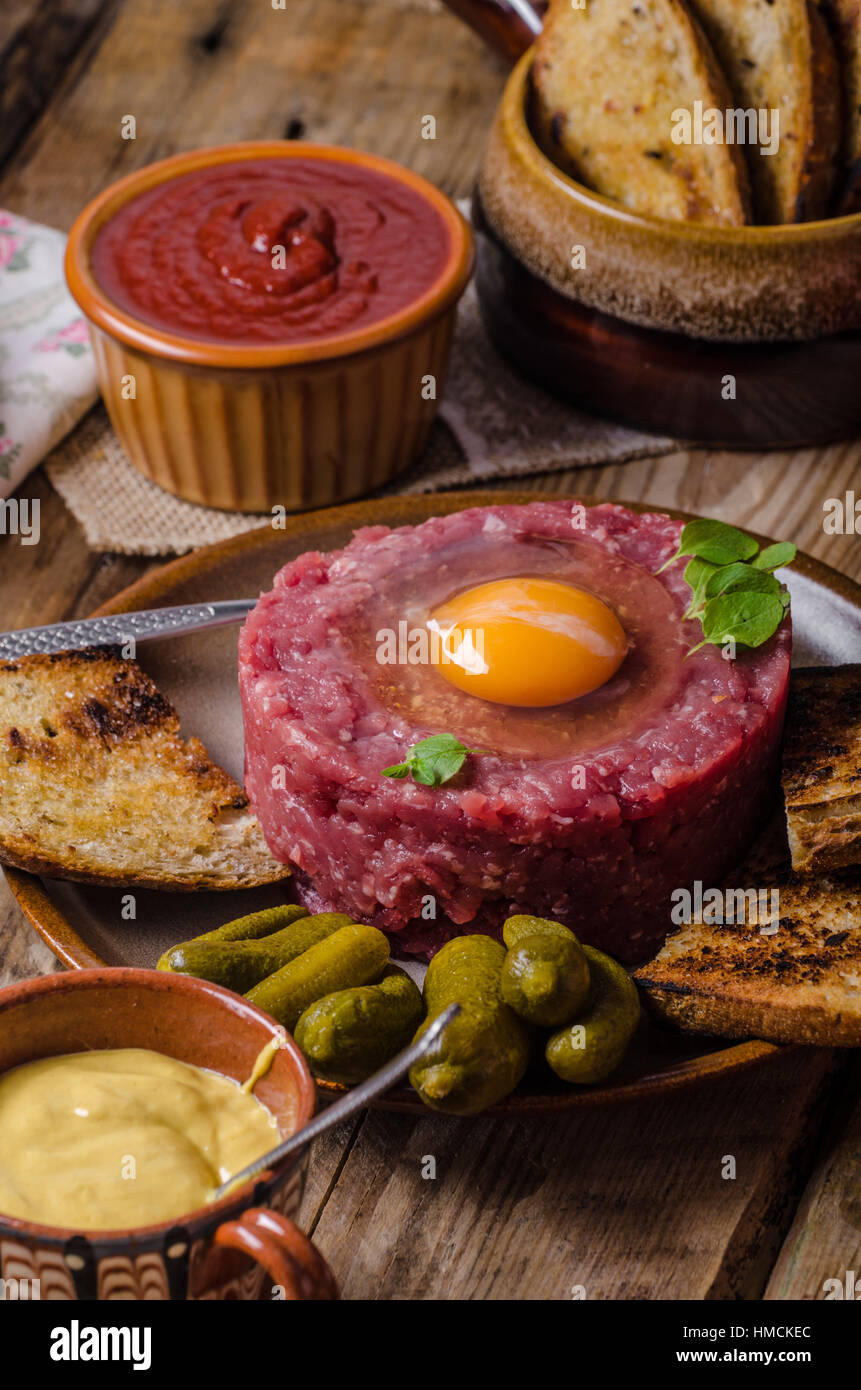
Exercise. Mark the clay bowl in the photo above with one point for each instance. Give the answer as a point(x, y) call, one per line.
point(223, 1251)
point(248, 427)
point(662, 312)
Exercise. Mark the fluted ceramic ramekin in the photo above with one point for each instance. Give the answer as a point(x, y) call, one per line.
point(250, 426)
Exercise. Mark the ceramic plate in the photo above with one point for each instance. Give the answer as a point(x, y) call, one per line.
point(85, 926)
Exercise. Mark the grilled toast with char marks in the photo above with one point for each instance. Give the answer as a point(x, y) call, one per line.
point(822, 768)
point(778, 56)
point(97, 785)
point(606, 81)
point(798, 984)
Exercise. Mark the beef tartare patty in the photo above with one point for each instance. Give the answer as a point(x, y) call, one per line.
point(591, 812)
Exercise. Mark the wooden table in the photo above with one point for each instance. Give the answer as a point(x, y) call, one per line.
point(628, 1203)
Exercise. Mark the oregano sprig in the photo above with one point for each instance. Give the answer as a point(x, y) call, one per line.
point(432, 760)
point(734, 592)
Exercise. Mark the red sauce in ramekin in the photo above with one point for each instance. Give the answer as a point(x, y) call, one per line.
point(281, 250)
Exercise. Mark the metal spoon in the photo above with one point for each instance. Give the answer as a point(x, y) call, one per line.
point(120, 628)
point(355, 1100)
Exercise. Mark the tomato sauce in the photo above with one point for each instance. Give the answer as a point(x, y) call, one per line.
point(280, 250)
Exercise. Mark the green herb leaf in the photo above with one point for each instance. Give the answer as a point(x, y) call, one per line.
point(432, 761)
point(774, 556)
point(715, 542)
point(698, 573)
point(738, 576)
point(746, 618)
point(734, 593)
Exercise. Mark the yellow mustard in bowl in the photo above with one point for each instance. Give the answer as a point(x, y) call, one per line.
point(123, 1137)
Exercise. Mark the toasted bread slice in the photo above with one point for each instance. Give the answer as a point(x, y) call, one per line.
point(800, 983)
point(96, 784)
point(844, 17)
point(822, 768)
point(607, 80)
point(778, 56)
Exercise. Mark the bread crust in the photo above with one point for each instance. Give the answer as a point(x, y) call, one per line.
point(778, 55)
point(811, 1024)
point(97, 785)
point(606, 81)
point(798, 984)
point(844, 19)
point(822, 768)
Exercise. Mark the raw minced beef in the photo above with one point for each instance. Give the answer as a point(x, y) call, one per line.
point(591, 813)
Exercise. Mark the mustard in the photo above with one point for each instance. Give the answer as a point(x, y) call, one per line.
point(124, 1137)
point(264, 1060)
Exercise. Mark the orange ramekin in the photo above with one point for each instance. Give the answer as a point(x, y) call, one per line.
point(249, 427)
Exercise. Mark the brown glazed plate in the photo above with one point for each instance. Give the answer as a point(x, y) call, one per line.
point(85, 926)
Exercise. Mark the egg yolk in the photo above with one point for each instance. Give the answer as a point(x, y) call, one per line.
point(526, 641)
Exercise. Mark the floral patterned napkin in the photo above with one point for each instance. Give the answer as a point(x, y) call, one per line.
point(47, 372)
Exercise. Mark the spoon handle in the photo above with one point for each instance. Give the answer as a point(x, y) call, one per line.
point(348, 1104)
point(508, 27)
point(119, 629)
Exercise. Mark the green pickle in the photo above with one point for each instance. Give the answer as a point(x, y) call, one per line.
point(328, 979)
point(545, 976)
point(483, 1053)
point(591, 1048)
point(256, 924)
point(348, 1035)
point(352, 955)
point(242, 953)
point(516, 928)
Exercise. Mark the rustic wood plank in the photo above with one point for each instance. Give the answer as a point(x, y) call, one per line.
point(782, 494)
point(628, 1203)
point(206, 72)
point(39, 583)
point(60, 577)
point(328, 1157)
point(825, 1240)
point(14, 15)
point(23, 953)
point(39, 44)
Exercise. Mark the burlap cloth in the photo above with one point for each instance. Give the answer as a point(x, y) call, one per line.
point(493, 425)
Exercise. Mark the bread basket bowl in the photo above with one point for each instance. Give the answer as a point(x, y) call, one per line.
point(745, 336)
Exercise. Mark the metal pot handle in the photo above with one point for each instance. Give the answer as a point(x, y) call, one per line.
point(508, 27)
